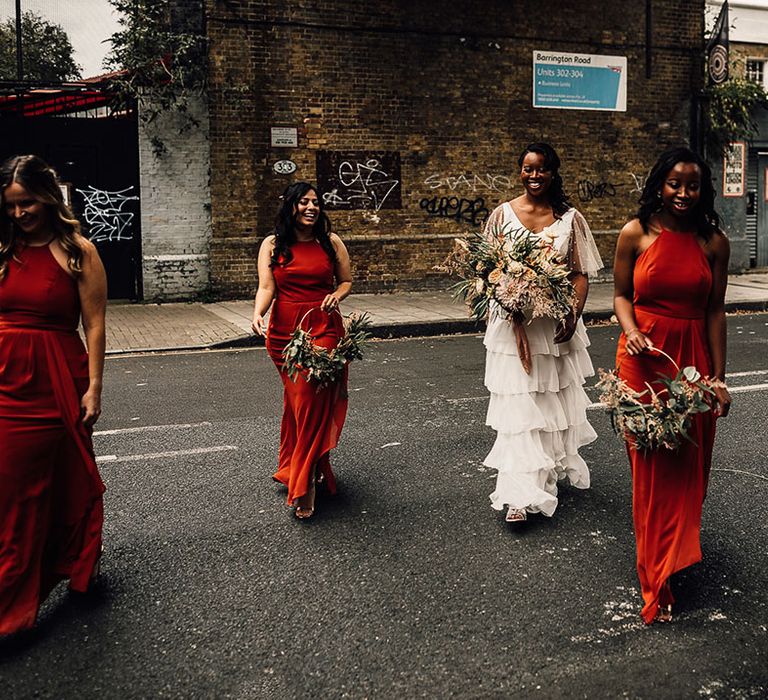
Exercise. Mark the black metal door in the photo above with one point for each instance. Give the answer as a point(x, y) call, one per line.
point(98, 159)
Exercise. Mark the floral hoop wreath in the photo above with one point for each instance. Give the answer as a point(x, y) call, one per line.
point(315, 363)
point(665, 419)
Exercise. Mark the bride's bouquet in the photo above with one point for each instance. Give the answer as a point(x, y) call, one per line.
point(656, 418)
point(517, 269)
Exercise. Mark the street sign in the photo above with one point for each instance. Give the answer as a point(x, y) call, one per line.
point(579, 81)
point(733, 170)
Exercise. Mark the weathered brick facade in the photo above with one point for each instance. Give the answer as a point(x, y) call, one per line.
point(447, 86)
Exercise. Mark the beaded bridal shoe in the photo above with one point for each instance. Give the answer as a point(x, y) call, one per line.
point(516, 515)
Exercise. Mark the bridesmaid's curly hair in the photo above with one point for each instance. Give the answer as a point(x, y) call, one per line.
point(285, 222)
point(555, 195)
point(42, 183)
point(705, 217)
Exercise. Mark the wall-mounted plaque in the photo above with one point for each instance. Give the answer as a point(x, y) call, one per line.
point(284, 136)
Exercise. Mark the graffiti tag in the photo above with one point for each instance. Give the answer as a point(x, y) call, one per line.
point(588, 190)
point(365, 186)
point(104, 214)
point(470, 181)
point(472, 211)
point(638, 182)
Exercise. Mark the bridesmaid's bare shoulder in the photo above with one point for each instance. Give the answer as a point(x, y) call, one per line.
point(632, 234)
point(719, 245)
point(268, 243)
point(85, 245)
point(337, 243)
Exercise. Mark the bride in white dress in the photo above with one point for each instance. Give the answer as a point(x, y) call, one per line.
point(540, 415)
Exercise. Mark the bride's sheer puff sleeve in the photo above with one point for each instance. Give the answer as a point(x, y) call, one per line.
point(583, 255)
point(494, 224)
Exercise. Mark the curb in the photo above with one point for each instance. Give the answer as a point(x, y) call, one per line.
point(405, 330)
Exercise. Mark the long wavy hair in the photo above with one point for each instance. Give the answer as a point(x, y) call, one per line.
point(42, 183)
point(704, 215)
point(555, 195)
point(285, 224)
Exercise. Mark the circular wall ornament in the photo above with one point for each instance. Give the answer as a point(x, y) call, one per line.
point(718, 64)
point(284, 167)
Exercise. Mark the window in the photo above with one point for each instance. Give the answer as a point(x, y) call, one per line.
point(756, 70)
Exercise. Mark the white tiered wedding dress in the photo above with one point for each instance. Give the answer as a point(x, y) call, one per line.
point(540, 417)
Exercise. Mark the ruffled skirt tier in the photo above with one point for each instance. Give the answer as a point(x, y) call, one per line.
point(540, 418)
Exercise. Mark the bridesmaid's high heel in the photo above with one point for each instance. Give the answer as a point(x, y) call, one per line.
point(303, 512)
point(663, 614)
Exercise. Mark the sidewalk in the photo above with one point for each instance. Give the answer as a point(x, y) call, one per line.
point(183, 326)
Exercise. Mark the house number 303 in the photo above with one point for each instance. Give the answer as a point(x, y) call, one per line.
point(284, 167)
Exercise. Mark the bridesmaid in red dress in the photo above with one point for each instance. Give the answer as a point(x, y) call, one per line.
point(305, 269)
point(50, 394)
point(670, 274)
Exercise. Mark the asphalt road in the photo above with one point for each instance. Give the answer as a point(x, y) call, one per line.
point(407, 584)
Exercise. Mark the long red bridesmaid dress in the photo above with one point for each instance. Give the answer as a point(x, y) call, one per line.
point(51, 509)
point(312, 419)
point(672, 281)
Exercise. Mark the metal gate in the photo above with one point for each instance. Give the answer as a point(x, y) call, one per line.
point(97, 159)
point(757, 207)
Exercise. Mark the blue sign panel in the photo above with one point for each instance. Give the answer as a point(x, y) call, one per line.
point(579, 81)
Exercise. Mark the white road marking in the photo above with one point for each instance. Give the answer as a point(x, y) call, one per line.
point(151, 428)
point(597, 404)
point(111, 459)
point(391, 444)
point(739, 471)
point(750, 387)
point(751, 373)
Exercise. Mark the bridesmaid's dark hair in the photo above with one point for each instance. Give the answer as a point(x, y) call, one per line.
point(704, 214)
point(285, 233)
point(42, 183)
point(556, 195)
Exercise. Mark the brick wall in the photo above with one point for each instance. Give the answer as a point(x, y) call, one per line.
point(175, 206)
point(447, 86)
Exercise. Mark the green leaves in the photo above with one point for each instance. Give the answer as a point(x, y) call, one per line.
point(47, 51)
point(302, 357)
point(162, 69)
point(656, 417)
point(732, 105)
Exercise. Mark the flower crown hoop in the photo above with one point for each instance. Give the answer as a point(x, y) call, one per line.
point(652, 419)
point(302, 356)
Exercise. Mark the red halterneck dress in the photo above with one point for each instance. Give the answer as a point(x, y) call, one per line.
point(51, 508)
point(672, 282)
point(312, 419)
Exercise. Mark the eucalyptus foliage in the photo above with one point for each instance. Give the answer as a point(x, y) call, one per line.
point(158, 67)
point(318, 364)
point(657, 418)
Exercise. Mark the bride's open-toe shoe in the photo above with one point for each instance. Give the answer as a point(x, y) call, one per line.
point(304, 513)
point(516, 515)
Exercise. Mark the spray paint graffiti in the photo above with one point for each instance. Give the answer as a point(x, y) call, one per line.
point(359, 179)
point(588, 190)
point(638, 182)
point(471, 211)
point(104, 214)
point(470, 181)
